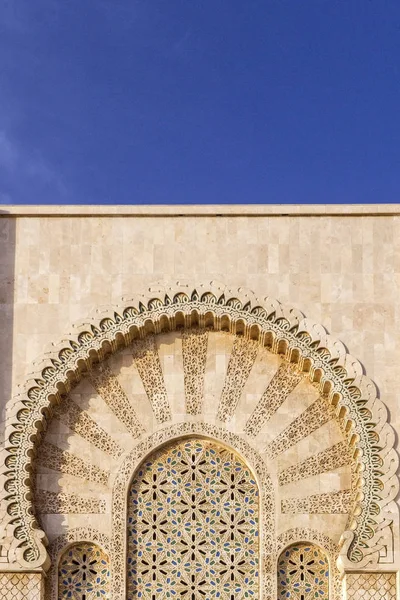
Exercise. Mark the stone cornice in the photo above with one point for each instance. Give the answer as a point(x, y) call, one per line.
point(202, 210)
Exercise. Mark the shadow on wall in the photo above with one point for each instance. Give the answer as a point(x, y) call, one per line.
point(7, 275)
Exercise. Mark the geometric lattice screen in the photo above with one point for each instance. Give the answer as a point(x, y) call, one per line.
point(193, 525)
point(83, 573)
point(303, 573)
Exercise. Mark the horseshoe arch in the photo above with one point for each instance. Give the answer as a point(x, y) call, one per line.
point(282, 331)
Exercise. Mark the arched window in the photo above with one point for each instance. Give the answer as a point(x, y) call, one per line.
point(193, 525)
point(83, 573)
point(303, 573)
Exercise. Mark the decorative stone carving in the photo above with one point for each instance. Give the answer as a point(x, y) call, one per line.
point(313, 417)
point(83, 573)
point(52, 503)
point(283, 382)
point(53, 457)
point(60, 544)
point(306, 535)
point(21, 586)
point(109, 388)
point(303, 572)
point(194, 353)
point(193, 525)
point(371, 586)
point(78, 420)
point(149, 367)
point(170, 434)
point(327, 460)
point(334, 503)
point(338, 377)
point(244, 353)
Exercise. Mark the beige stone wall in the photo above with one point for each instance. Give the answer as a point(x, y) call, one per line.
point(338, 265)
point(342, 270)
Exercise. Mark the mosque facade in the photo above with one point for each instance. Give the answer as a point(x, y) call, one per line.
point(199, 402)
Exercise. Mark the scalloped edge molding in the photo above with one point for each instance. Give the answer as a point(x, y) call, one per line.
point(283, 331)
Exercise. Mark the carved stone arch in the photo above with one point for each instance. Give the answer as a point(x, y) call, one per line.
point(304, 570)
point(282, 330)
point(299, 535)
point(62, 542)
point(173, 434)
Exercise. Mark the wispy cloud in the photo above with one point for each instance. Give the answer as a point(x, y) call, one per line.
point(26, 172)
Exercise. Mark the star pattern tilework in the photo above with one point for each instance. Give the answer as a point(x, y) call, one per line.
point(303, 573)
point(193, 525)
point(83, 573)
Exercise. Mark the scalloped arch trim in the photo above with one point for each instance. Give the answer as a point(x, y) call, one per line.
point(283, 331)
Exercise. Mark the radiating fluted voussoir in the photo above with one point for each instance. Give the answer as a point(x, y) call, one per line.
point(281, 330)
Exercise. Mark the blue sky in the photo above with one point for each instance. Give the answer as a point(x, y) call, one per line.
point(199, 101)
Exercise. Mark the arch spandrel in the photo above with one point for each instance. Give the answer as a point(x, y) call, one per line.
point(306, 346)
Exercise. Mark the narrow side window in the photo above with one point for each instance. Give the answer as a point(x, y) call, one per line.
point(83, 573)
point(303, 573)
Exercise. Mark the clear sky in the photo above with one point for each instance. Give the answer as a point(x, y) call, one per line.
point(199, 101)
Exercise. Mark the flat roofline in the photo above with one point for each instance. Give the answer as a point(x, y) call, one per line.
point(200, 210)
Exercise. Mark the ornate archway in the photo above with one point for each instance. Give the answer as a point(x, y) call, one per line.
point(215, 437)
point(193, 524)
point(303, 346)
